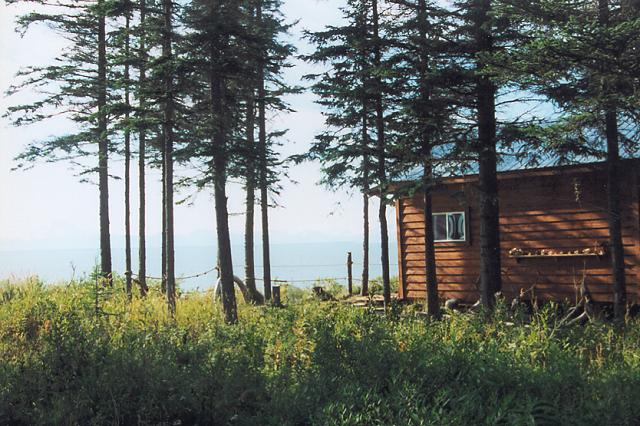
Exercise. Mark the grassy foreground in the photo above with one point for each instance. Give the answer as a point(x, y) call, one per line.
point(310, 363)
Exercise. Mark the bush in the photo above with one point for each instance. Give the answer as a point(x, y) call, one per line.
point(66, 360)
point(375, 285)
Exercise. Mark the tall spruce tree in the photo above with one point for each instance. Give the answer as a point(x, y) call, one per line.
point(76, 87)
point(127, 150)
point(266, 56)
point(215, 40)
point(121, 59)
point(486, 91)
point(168, 122)
point(235, 53)
point(262, 151)
point(250, 200)
point(475, 38)
point(271, 54)
point(424, 75)
point(378, 94)
point(103, 145)
point(141, 117)
point(345, 149)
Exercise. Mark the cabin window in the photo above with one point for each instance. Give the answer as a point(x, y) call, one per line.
point(449, 227)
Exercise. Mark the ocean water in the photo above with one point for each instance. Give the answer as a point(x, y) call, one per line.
point(299, 263)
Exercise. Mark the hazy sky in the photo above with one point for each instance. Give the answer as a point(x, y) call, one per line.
point(47, 207)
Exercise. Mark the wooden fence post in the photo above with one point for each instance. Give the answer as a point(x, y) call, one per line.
point(276, 295)
point(349, 274)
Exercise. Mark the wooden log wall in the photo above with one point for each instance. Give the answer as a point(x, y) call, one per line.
point(553, 211)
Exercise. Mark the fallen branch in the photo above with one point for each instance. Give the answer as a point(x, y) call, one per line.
point(583, 311)
point(217, 291)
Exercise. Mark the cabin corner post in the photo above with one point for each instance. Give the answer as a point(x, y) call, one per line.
point(636, 224)
point(402, 282)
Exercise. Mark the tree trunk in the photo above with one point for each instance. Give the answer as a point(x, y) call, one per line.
point(613, 189)
point(266, 248)
point(490, 275)
point(142, 135)
point(225, 261)
point(433, 301)
point(615, 216)
point(264, 181)
point(163, 282)
point(381, 172)
point(224, 244)
point(364, 291)
point(127, 160)
point(167, 130)
point(103, 151)
point(249, 265)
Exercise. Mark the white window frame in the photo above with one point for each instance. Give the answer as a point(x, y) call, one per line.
point(446, 215)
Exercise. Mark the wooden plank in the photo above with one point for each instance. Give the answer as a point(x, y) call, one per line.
point(524, 280)
point(524, 265)
point(456, 249)
point(473, 257)
point(443, 263)
point(550, 217)
point(472, 296)
point(536, 212)
point(401, 267)
point(413, 218)
point(583, 237)
point(560, 280)
point(542, 272)
point(595, 229)
point(563, 234)
point(443, 255)
point(578, 229)
point(443, 279)
point(636, 222)
point(442, 270)
point(562, 244)
point(417, 220)
point(513, 288)
point(566, 269)
point(601, 229)
point(458, 294)
point(464, 251)
point(412, 208)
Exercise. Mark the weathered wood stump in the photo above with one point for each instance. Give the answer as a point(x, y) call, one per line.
point(321, 294)
point(453, 304)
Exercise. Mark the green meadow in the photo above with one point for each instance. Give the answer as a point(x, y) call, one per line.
point(74, 355)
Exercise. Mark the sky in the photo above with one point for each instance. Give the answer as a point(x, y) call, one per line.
point(47, 207)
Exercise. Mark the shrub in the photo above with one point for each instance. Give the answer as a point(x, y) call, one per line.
point(66, 360)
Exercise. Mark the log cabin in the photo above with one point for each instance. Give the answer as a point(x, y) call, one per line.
point(553, 231)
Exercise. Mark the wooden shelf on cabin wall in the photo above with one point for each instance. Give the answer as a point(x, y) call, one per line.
point(518, 257)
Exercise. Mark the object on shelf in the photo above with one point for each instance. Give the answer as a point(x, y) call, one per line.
point(519, 253)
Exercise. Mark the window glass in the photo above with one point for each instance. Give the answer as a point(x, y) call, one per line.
point(440, 227)
point(449, 227)
point(455, 230)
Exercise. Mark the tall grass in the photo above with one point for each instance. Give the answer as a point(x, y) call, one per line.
point(62, 361)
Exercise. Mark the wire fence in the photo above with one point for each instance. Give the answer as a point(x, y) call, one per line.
point(186, 277)
point(279, 280)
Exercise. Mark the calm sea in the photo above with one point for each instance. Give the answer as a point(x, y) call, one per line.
point(300, 264)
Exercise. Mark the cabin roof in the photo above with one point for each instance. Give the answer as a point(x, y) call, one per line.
point(568, 169)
